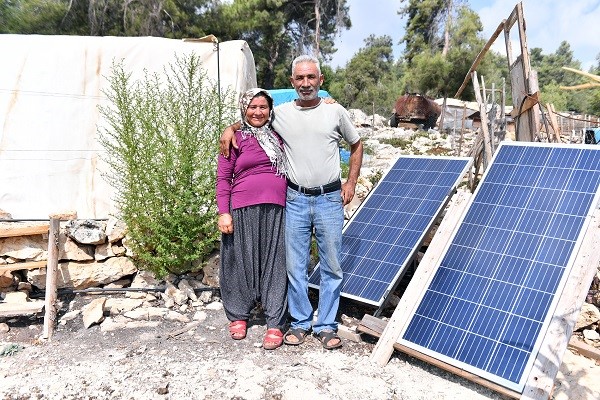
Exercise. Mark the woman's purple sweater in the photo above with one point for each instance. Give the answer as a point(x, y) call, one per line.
point(247, 177)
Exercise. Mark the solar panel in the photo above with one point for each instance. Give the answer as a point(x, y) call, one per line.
point(490, 300)
point(385, 232)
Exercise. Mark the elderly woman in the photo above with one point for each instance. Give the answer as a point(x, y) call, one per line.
point(251, 194)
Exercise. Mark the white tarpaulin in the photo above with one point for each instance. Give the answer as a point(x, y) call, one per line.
point(50, 87)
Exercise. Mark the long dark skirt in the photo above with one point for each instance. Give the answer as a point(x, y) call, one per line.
point(253, 264)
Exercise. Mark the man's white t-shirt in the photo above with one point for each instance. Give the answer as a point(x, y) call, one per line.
point(311, 138)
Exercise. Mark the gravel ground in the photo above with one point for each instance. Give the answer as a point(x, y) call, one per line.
point(204, 363)
point(149, 362)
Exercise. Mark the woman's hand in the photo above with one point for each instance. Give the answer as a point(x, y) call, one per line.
point(225, 223)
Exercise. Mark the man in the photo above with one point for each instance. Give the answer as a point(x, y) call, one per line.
point(311, 130)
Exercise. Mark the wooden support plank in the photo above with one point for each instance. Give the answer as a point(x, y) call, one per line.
point(582, 86)
point(528, 102)
point(541, 378)
point(51, 277)
point(479, 57)
point(512, 18)
point(23, 265)
point(349, 333)
point(6, 231)
point(523, 38)
point(534, 113)
point(586, 74)
point(584, 349)
point(457, 371)
point(385, 345)
point(371, 325)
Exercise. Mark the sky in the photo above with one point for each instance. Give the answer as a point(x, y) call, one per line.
point(548, 23)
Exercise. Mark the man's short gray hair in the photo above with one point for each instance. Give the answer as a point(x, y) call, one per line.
point(306, 58)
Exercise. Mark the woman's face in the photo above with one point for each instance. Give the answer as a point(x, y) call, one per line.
point(258, 112)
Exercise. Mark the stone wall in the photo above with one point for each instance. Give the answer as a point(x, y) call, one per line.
point(91, 254)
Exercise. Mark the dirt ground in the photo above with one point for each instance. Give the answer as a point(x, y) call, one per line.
point(161, 360)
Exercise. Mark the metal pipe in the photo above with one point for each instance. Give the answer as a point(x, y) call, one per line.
point(63, 291)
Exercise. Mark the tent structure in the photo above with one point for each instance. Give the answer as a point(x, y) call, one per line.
point(50, 89)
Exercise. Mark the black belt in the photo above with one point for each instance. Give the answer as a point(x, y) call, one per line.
point(317, 190)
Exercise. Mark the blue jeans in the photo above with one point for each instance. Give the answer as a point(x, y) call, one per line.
point(326, 214)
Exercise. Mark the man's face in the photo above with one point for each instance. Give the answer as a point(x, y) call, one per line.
point(306, 80)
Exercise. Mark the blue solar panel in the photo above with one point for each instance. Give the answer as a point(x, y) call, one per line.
point(492, 296)
point(387, 229)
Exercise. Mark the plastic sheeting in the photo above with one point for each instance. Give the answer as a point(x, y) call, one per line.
point(285, 95)
point(50, 87)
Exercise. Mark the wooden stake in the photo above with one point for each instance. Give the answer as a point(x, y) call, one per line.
point(487, 145)
point(51, 273)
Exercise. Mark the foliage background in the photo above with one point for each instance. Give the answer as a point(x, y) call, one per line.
point(441, 40)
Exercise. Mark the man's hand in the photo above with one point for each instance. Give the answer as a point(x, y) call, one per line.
point(329, 100)
point(225, 223)
point(348, 189)
point(228, 139)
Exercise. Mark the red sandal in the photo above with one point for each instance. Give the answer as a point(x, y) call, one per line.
point(237, 329)
point(273, 339)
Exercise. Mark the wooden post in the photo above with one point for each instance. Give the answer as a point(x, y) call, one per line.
point(462, 128)
point(454, 139)
point(504, 127)
point(443, 115)
point(553, 122)
point(51, 273)
point(487, 146)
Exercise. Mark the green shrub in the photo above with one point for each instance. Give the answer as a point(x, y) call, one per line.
point(368, 150)
point(161, 144)
point(345, 169)
point(376, 177)
point(397, 142)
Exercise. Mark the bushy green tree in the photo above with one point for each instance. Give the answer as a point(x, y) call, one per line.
point(553, 94)
point(428, 74)
point(370, 81)
point(32, 16)
point(425, 21)
point(437, 74)
point(551, 75)
point(161, 144)
point(549, 67)
point(279, 30)
point(165, 18)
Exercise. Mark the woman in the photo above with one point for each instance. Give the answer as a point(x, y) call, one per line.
point(251, 192)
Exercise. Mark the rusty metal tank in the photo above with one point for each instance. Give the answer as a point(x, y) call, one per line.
point(415, 109)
